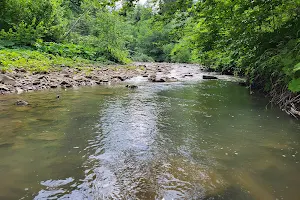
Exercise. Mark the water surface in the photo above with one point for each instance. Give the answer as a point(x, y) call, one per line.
point(205, 140)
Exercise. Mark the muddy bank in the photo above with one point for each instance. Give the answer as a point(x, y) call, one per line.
point(19, 80)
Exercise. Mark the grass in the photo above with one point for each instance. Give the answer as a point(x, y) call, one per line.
point(36, 61)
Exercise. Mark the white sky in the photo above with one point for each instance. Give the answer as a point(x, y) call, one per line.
point(142, 1)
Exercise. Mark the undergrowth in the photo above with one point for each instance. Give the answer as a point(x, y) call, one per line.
point(35, 61)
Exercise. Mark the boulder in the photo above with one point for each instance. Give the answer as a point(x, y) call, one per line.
point(21, 103)
point(7, 79)
point(208, 77)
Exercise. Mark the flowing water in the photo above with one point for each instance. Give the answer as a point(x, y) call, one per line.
point(205, 140)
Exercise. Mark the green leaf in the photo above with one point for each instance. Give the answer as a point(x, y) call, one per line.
point(296, 68)
point(294, 85)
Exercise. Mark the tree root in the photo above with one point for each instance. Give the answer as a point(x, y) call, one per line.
point(287, 101)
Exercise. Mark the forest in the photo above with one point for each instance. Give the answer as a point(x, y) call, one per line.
point(258, 39)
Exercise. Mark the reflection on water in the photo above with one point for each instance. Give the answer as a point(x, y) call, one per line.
point(208, 140)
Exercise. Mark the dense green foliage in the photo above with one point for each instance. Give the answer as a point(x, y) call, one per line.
point(68, 28)
point(259, 39)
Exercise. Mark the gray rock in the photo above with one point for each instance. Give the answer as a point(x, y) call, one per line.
point(53, 86)
point(19, 90)
point(79, 78)
point(37, 82)
point(158, 80)
point(19, 76)
point(120, 78)
point(153, 78)
point(65, 84)
point(7, 79)
point(41, 77)
point(4, 88)
point(21, 103)
point(187, 75)
point(20, 70)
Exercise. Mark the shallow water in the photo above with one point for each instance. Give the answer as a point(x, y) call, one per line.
point(205, 140)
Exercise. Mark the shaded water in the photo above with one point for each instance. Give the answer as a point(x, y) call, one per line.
point(208, 140)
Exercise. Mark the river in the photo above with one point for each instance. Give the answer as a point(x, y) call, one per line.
point(187, 140)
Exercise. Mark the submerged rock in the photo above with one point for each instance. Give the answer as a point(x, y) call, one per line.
point(131, 86)
point(172, 79)
point(46, 136)
point(242, 83)
point(209, 77)
point(21, 103)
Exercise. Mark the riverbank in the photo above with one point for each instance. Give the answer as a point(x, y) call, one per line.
point(19, 80)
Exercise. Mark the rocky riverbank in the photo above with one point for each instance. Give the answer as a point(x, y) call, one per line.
point(20, 80)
